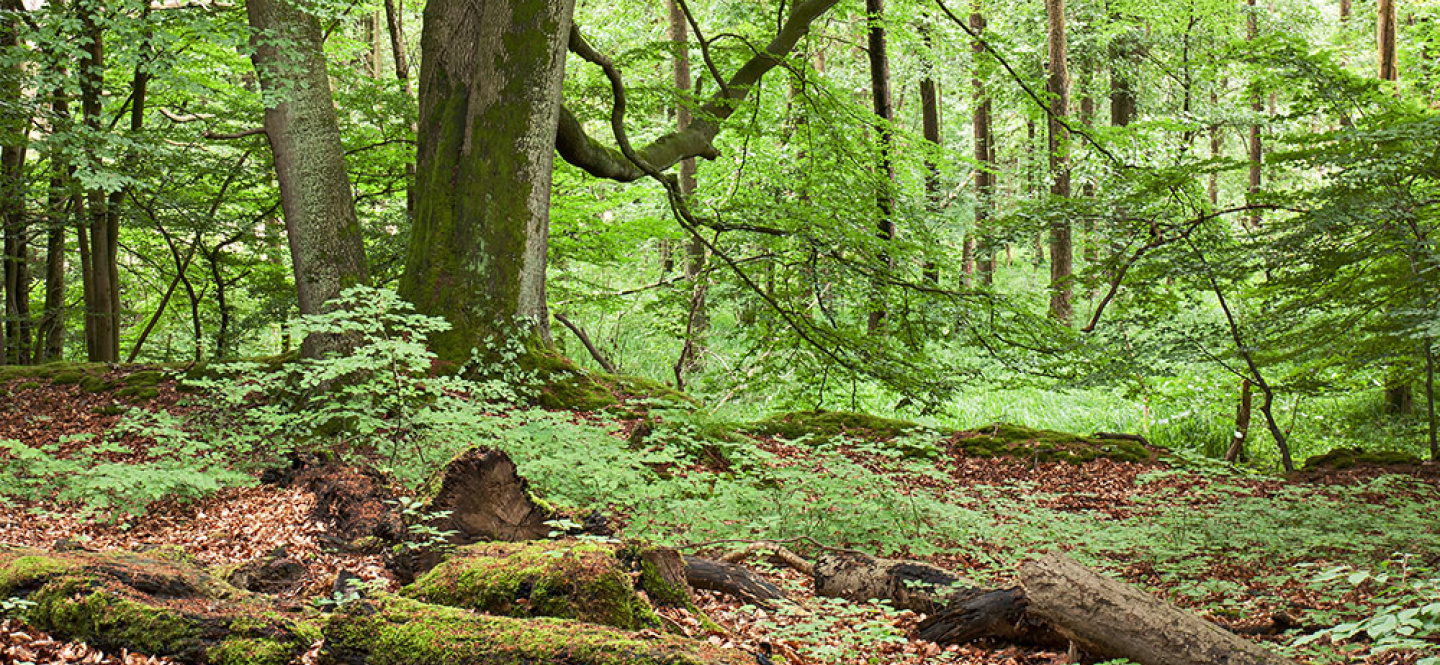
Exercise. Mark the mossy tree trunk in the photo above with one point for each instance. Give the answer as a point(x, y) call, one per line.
point(324, 234)
point(489, 107)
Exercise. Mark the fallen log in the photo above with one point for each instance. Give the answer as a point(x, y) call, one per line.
point(907, 585)
point(166, 608)
point(1108, 618)
point(733, 580)
point(998, 614)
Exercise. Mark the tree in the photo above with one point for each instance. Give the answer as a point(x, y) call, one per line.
point(324, 234)
point(1057, 86)
point(489, 107)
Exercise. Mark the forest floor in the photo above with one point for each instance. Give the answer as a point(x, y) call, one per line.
point(1235, 590)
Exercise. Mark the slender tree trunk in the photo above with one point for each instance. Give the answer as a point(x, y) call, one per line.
point(698, 320)
point(326, 247)
point(1256, 150)
point(930, 129)
point(1385, 40)
point(984, 148)
point(485, 169)
point(50, 337)
point(393, 20)
point(1430, 398)
point(1216, 145)
point(1091, 251)
point(1058, 87)
point(884, 114)
point(1242, 424)
point(102, 328)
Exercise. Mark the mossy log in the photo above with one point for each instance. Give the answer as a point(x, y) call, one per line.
point(578, 580)
point(1110, 619)
point(165, 608)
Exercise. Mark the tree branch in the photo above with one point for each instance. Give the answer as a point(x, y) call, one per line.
point(597, 159)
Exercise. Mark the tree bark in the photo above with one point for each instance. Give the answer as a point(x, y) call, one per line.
point(1109, 619)
point(326, 246)
point(697, 318)
point(1058, 86)
point(15, 335)
point(884, 115)
point(393, 20)
point(102, 330)
point(930, 129)
point(984, 148)
point(1385, 40)
point(489, 104)
point(1242, 424)
point(1255, 150)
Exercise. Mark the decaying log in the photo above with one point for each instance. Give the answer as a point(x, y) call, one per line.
point(732, 580)
point(167, 608)
point(1108, 618)
point(777, 553)
point(909, 585)
point(999, 614)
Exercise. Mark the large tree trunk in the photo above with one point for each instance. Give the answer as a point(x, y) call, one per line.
point(326, 247)
point(884, 115)
point(1058, 86)
point(1108, 618)
point(102, 294)
point(489, 108)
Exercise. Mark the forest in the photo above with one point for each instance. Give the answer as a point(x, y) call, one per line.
point(719, 331)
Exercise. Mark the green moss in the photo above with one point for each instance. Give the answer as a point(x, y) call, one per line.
point(68, 378)
point(73, 607)
point(108, 410)
point(648, 390)
point(27, 385)
point(563, 384)
point(827, 424)
point(581, 581)
point(49, 371)
point(253, 651)
point(173, 553)
point(1345, 458)
point(399, 631)
point(1043, 445)
point(22, 569)
point(96, 384)
point(138, 394)
point(144, 378)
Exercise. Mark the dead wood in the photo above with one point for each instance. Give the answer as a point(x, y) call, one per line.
point(732, 580)
point(1108, 618)
point(159, 607)
point(910, 585)
point(777, 553)
point(999, 614)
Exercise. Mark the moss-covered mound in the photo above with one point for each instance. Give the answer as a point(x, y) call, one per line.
point(1043, 445)
point(400, 631)
point(826, 424)
point(1345, 458)
point(564, 579)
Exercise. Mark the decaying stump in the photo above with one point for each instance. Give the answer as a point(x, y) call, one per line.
point(1108, 618)
point(166, 608)
point(354, 503)
point(908, 585)
point(487, 499)
point(733, 580)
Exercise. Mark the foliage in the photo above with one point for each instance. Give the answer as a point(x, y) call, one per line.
point(1407, 614)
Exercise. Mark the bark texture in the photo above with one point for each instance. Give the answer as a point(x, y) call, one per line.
point(1108, 618)
point(326, 247)
point(489, 107)
point(1385, 40)
point(1057, 84)
point(984, 149)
